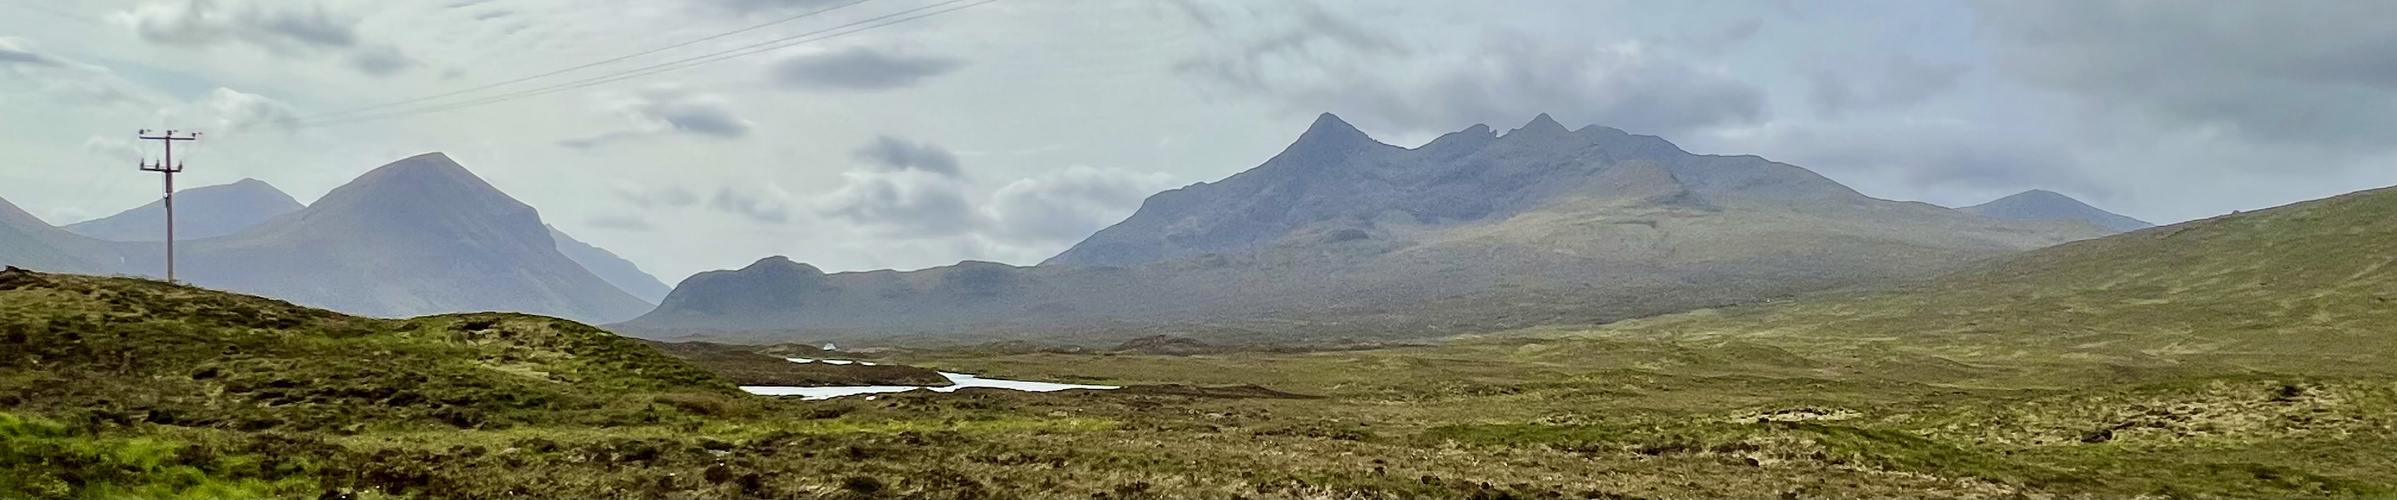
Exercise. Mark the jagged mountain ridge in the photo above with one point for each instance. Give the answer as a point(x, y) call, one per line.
point(1334, 171)
point(2041, 204)
point(1342, 235)
point(200, 213)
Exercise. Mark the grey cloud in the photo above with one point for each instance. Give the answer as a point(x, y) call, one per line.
point(1325, 63)
point(664, 109)
point(1720, 38)
point(904, 203)
point(294, 28)
point(2318, 73)
point(892, 153)
point(1898, 81)
point(700, 114)
point(754, 205)
point(381, 61)
point(858, 69)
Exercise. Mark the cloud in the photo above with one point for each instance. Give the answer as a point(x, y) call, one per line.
point(1064, 206)
point(766, 205)
point(1885, 155)
point(1324, 63)
point(381, 60)
point(858, 69)
point(77, 81)
point(655, 196)
point(892, 153)
point(667, 109)
point(122, 149)
point(1898, 81)
point(287, 28)
point(912, 203)
point(228, 111)
point(2322, 74)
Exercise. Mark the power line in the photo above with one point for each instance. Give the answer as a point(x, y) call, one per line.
point(737, 52)
point(575, 68)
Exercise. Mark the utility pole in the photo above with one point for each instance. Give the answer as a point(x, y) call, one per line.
point(168, 167)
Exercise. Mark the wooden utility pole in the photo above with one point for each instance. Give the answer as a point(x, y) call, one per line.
point(168, 167)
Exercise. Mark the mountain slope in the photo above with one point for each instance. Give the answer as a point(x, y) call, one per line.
point(608, 266)
point(418, 236)
point(1340, 235)
point(27, 241)
point(200, 213)
point(2304, 287)
point(2040, 204)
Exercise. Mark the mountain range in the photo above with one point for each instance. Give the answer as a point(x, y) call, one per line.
point(418, 236)
point(1341, 235)
point(200, 213)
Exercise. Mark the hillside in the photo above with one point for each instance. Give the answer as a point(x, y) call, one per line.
point(608, 266)
point(2307, 287)
point(1343, 236)
point(200, 213)
point(418, 236)
point(27, 241)
point(2044, 205)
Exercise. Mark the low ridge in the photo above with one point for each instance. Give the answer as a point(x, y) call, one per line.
point(2043, 205)
point(200, 213)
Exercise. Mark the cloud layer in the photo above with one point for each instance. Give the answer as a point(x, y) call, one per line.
point(858, 69)
point(297, 28)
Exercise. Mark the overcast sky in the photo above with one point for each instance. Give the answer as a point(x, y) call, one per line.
point(1009, 131)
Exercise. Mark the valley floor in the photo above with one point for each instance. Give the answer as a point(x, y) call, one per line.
point(1528, 415)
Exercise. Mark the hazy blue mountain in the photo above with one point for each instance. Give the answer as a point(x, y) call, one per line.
point(29, 242)
point(2041, 205)
point(608, 266)
point(418, 236)
point(200, 213)
point(1341, 235)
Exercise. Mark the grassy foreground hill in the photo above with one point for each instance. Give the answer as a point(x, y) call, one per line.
point(2236, 357)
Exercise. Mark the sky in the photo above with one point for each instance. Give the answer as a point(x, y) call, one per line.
point(1008, 130)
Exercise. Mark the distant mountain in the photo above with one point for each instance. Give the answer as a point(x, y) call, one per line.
point(2042, 205)
point(608, 266)
point(1344, 236)
point(418, 236)
point(200, 213)
point(26, 241)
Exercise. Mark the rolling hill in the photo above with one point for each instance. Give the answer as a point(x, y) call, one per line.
point(27, 241)
point(200, 213)
point(1341, 236)
point(2040, 204)
point(2307, 287)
